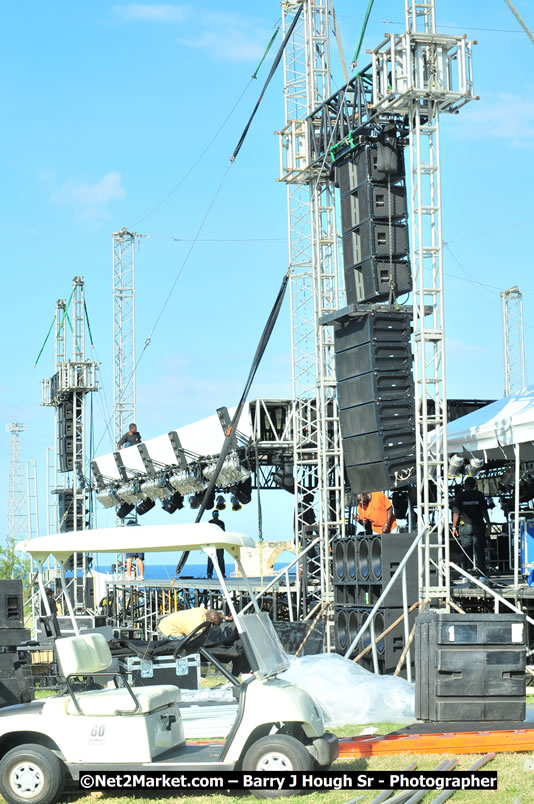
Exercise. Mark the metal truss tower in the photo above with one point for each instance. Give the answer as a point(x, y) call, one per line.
point(421, 74)
point(123, 331)
point(17, 517)
point(314, 292)
point(514, 343)
point(66, 390)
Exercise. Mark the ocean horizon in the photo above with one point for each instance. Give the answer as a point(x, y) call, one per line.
point(168, 571)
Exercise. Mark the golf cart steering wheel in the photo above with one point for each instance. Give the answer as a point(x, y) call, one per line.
point(195, 639)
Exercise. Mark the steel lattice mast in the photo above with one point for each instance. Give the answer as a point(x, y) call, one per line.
point(314, 292)
point(422, 74)
point(16, 502)
point(123, 331)
point(514, 343)
point(66, 391)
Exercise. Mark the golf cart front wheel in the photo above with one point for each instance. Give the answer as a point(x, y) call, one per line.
point(31, 774)
point(276, 753)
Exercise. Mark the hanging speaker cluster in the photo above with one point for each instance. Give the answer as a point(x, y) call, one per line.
point(372, 186)
point(376, 401)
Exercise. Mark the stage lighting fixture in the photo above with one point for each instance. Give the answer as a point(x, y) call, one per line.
point(231, 471)
point(145, 506)
point(173, 503)
point(184, 481)
point(195, 500)
point(456, 465)
point(125, 509)
point(243, 491)
point(474, 466)
point(156, 487)
point(283, 477)
point(236, 505)
point(220, 504)
point(108, 498)
point(130, 493)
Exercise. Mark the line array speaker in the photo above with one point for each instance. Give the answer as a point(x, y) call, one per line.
point(373, 217)
point(375, 395)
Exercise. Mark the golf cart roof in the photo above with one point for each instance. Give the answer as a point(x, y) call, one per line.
point(140, 539)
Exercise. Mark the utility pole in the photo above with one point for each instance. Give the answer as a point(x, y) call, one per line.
point(514, 342)
point(16, 503)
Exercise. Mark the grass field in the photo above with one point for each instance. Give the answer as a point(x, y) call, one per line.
point(514, 782)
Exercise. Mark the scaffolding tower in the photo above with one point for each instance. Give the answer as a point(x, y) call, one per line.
point(16, 501)
point(66, 392)
point(123, 331)
point(514, 343)
point(314, 292)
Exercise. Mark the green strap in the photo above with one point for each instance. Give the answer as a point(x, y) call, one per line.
point(255, 73)
point(366, 20)
point(45, 340)
point(88, 324)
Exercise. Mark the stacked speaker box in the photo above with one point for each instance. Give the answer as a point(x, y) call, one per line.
point(372, 186)
point(376, 399)
point(16, 681)
point(363, 566)
point(65, 435)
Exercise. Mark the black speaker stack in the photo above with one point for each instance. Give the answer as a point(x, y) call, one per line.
point(65, 434)
point(372, 186)
point(363, 566)
point(16, 681)
point(376, 399)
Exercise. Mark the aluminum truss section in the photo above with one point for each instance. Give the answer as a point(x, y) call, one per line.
point(66, 390)
point(314, 292)
point(16, 499)
point(514, 343)
point(123, 331)
point(420, 74)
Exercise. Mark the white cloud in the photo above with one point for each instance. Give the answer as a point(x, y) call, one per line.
point(503, 115)
point(455, 346)
point(228, 45)
point(161, 12)
point(224, 35)
point(91, 200)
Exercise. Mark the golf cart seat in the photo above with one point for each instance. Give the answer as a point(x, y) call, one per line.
point(88, 654)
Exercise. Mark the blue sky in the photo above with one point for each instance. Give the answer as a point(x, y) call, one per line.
point(106, 105)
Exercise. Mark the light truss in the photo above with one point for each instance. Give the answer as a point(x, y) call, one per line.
point(314, 291)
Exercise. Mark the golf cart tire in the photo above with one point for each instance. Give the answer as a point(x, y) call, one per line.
point(42, 769)
point(275, 753)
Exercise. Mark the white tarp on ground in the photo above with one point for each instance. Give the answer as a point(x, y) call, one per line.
point(492, 431)
point(347, 693)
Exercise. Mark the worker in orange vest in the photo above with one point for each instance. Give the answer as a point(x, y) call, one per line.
point(375, 508)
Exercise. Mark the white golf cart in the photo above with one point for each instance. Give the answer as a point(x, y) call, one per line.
point(278, 726)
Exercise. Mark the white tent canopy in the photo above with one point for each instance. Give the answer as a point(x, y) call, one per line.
point(493, 431)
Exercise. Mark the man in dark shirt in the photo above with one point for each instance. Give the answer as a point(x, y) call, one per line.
point(469, 519)
point(130, 438)
point(220, 552)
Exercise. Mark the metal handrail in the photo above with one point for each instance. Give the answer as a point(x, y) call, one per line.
point(369, 623)
point(493, 593)
point(283, 573)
